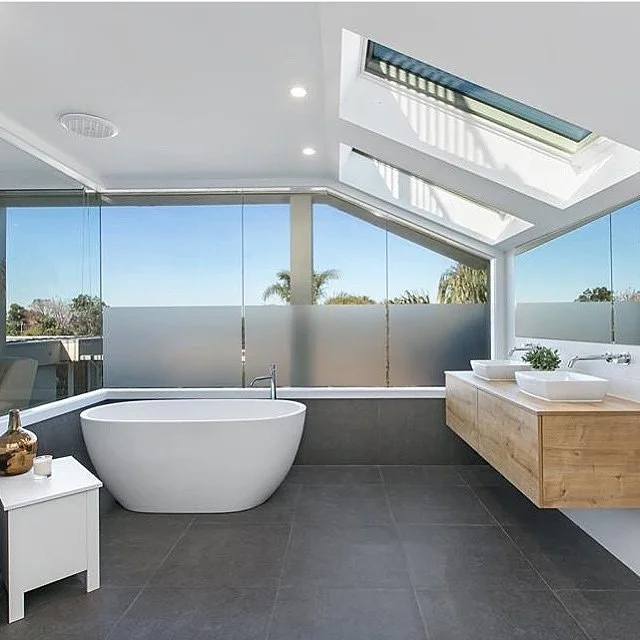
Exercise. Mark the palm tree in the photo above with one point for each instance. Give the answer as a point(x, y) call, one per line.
point(463, 285)
point(282, 287)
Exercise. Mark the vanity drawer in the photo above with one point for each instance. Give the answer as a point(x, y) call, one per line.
point(509, 439)
point(462, 410)
point(591, 460)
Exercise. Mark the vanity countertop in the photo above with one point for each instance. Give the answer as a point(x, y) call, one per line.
point(509, 391)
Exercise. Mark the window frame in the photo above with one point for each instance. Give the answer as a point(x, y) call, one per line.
point(430, 90)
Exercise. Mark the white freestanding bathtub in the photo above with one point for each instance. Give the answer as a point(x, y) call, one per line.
point(193, 456)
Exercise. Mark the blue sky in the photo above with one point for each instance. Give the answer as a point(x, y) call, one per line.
point(560, 270)
point(153, 256)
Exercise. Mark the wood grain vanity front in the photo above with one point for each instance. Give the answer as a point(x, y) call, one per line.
point(462, 410)
point(558, 455)
point(508, 438)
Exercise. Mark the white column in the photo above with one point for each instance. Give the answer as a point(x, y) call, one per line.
point(499, 305)
point(301, 249)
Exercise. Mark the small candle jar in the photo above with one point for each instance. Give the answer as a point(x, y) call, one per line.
point(42, 466)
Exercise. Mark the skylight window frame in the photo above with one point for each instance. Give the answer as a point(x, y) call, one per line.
point(461, 229)
point(426, 89)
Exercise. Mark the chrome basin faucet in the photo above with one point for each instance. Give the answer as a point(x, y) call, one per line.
point(524, 347)
point(273, 379)
point(617, 358)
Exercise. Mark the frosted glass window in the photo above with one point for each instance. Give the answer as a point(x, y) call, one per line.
point(267, 317)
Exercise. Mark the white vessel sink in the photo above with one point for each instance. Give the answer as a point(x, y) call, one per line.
point(562, 386)
point(498, 369)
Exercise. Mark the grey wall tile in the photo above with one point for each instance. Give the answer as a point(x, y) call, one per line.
point(340, 432)
point(383, 431)
point(413, 431)
point(62, 436)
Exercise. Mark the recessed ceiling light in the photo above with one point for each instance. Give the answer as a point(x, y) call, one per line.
point(88, 126)
point(309, 151)
point(298, 92)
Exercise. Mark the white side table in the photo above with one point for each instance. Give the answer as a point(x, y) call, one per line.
point(51, 529)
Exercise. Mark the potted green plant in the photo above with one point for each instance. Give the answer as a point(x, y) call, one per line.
point(542, 358)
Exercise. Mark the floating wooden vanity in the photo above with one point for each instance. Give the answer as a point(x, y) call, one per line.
point(558, 455)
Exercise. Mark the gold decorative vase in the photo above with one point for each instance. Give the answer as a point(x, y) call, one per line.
point(18, 447)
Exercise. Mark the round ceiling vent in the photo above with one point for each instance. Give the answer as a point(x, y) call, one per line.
point(88, 126)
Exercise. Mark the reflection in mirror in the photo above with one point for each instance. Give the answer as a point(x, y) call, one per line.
point(52, 347)
point(564, 287)
point(625, 245)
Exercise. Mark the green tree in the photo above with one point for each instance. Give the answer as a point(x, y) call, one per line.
point(349, 298)
point(16, 319)
point(463, 285)
point(411, 297)
point(282, 287)
point(597, 294)
point(86, 315)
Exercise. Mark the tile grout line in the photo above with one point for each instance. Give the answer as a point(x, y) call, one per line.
point(148, 580)
point(404, 555)
point(535, 569)
point(282, 568)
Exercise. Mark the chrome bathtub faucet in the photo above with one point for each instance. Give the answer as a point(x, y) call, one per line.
point(617, 358)
point(273, 379)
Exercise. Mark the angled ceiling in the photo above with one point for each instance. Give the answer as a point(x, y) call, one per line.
point(199, 91)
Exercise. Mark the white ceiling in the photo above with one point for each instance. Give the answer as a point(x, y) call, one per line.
point(199, 91)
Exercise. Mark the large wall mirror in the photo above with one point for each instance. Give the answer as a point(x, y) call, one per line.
point(585, 284)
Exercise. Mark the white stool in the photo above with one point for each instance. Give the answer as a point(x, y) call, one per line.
point(51, 529)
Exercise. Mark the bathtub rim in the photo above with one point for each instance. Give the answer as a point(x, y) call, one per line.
point(57, 408)
point(299, 408)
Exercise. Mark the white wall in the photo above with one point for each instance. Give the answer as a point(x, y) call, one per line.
point(618, 530)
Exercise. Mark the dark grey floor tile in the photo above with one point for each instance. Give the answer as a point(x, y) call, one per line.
point(340, 556)
point(352, 504)
point(346, 614)
point(197, 613)
point(482, 475)
point(64, 611)
point(568, 558)
point(430, 475)
point(134, 545)
point(436, 505)
point(226, 555)
point(502, 614)
point(511, 507)
point(279, 508)
point(465, 557)
point(335, 474)
point(605, 615)
point(120, 525)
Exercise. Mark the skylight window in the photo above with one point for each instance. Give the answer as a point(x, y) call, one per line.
point(432, 82)
point(427, 200)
